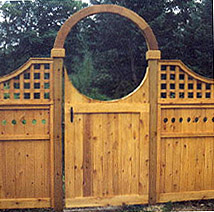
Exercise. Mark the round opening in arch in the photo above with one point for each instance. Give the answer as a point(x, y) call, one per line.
point(105, 56)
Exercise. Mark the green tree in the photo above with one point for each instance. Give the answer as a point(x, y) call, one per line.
point(183, 29)
point(29, 29)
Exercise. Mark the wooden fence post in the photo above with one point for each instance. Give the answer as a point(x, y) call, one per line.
point(153, 56)
point(57, 55)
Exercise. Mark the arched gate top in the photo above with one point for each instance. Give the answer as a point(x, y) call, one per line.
point(132, 16)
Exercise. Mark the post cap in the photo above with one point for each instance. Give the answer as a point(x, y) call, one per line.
point(58, 52)
point(153, 55)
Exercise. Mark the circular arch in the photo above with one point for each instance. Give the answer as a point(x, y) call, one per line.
point(106, 8)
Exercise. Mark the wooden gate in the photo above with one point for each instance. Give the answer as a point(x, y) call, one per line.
point(106, 149)
point(107, 143)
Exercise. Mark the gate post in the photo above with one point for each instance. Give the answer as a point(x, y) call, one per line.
point(153, 56)
point(57, 197)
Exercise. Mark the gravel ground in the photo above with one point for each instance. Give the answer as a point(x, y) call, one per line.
point(203, 205)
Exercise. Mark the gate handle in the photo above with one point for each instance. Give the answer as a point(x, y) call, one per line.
point(72, 114)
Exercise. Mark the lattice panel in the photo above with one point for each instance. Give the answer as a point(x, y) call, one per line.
point(34, 83)
point(178, 82)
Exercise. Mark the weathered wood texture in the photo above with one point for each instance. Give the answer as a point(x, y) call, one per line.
point(25, 136)
point(186, 134)
point(106, 149)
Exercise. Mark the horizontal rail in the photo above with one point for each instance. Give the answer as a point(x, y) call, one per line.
point(24, 103)
point(186, 135)
point(105, 201)
point(108, 108)
point(24, 137)
point(25, 203)
point(184, 196)
point(30, 107)
point(186, 106)
point(186, 101)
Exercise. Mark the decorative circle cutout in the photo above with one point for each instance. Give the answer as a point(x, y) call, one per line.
point(173, 120)
point(13, 122)
point(4, 122)
point(165, 120)
point(111, 65)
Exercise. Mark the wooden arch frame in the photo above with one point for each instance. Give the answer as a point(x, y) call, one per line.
point(153, 55)
point(132, 16)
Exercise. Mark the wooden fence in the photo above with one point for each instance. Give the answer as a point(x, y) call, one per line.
point(26, 143)
point(155, 145)
point(186, 134)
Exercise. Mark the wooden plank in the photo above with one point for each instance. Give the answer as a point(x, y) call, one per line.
point(199, 167)
point(69, 154)
point(107, 161)
point(144, 153)
point(106, 201)
point(41, 81)
point(169, 166)
point(10, 187)
point(126, 157)
point(109, 108)
point(52, 175)
point(98, 156)
point(186, 101)
point(109, 153)
point(186, 135)
point(39, 169)
point(78, 160)
point(30, 169)
point(208, 166)
point(24, 137)
point(115, 153)
point(21, 90)
point(208, 151)
point(3, 173)
point(135, 142)
point(153, 97)
point(176, 165)
point(25, 203)
point(184, 165)
point(192, 160)
point(20, 170)
point(186, 196)
point(24, 107)
point(186, 106)
point(47, 171)
point(160, 163)
point(87, 163)
point(162, 168)
point(120, 146)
